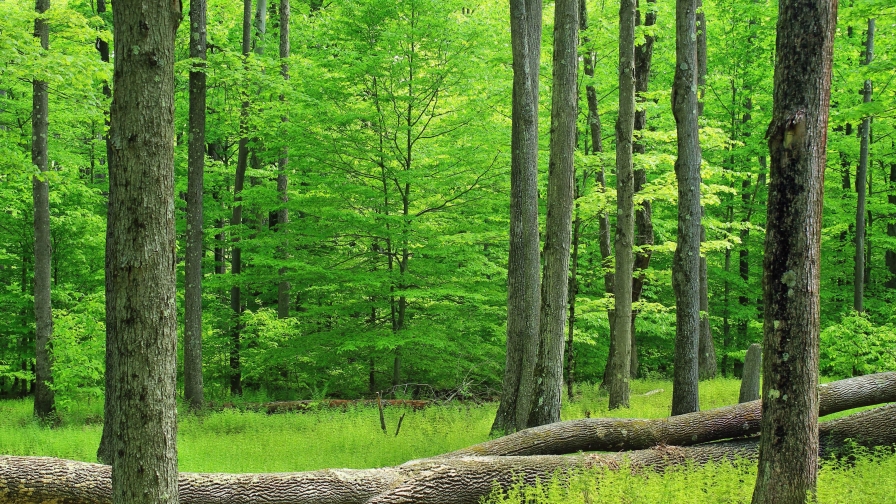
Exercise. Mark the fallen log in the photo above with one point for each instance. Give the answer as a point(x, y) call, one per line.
point(307, 405)
point(461, 480)
point(617, 434)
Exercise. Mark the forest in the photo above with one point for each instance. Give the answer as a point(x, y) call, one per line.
point(345, 226)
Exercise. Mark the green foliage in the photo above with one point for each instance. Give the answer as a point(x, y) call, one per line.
point(857, 346)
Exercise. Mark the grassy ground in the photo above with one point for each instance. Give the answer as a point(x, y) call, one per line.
point(234, 441)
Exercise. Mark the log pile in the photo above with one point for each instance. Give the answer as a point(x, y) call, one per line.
point(466, 475)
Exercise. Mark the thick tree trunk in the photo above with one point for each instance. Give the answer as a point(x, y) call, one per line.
point(620, 372)
point(462, 480)
point(558, 228)
point(686, 261)
point(797, 138)
point(140, 311)
point(193, 387)
point(523, 292)
point(44, 403)
point(861, 182)
point(613, 434)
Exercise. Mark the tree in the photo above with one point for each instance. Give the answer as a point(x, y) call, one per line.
point(140, 252)
point(797, 139)
point(193, 390)
point(282, 177)
point(558, 229)
point(44, 404)
point(236, 220)
point(686, 262)
point(625, 222)
point(859, 279)
point(523, 293)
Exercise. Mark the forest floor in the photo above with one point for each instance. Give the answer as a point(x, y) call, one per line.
point(240, 441)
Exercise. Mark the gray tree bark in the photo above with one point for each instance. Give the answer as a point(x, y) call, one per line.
point(44, 401)
point(558, 228)
point(749, 383)
point(686, 261)
point(283, 286)
point(797, 139)
point(620, 372)
point(193, 387)
point(140, 251)
point(861, 183)
point(523, 292)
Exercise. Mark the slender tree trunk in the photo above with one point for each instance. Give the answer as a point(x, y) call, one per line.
point(193, 390)
point(44, 403)
point(558, 228)
point(573, 292)
point(686, 261)
point(890, 256)
point(797, 137)
point(282, 178)
point(523, 292)
point(706, 361)
point(625, 222)
point(644, 213)
point(236, 220)
point(861, 179)
point(140, 252)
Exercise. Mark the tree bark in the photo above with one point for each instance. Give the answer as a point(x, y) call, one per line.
point(614, 434)
point(558, 228)
point(462, 480)
point(706, 362)
point(236, 220)
point(523, 292)
point(620, 373)
point(140, 303)
point(44, 402)
point(686, 261)
point(861, 182)
point(890, 255)
point(644, 213)
point(283, 286)
point(797, 138)
point(749, 383)
point(193, 387)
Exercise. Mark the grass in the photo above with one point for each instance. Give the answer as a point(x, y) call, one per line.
point(237, 441)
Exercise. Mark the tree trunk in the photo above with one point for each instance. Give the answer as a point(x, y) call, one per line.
point(558, 227)
point(236, 220)
point(461, 480)
point(749, 383)
point(614, 434)
point(644, 213)
point(140, 304)
point(44, 403)
point(193, 389)
point(523, 293)
point(686, 261)
point(890, 256)
point(797, 141)
point(625, 223)
point(283, 286)
point(861, 179)
point(707, 361)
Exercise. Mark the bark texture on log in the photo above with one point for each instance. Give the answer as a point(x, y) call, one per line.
point(41, 480)
point(611, 434)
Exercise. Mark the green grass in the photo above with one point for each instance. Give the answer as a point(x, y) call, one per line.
point(237, 441)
